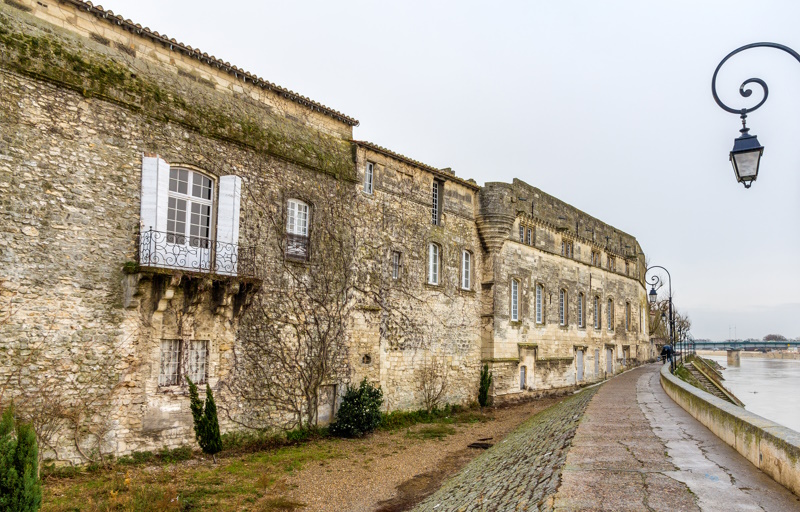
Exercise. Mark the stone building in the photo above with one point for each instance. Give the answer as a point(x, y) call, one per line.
point(153, 197)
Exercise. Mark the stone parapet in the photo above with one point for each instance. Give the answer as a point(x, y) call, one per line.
point(772, 448)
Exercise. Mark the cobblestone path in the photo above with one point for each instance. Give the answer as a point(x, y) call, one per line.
point(522, 472)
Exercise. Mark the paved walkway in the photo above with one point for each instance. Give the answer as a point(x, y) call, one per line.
point(633, 449)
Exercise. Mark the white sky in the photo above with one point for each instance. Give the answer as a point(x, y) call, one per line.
point(606, 105)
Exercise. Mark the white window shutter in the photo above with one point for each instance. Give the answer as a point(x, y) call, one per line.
point(230, 197)
point(153, 210)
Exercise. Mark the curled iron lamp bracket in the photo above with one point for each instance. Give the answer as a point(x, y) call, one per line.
point(743, 89)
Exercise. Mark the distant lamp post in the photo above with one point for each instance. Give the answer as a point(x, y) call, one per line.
point(656, 280)
point(746, 153)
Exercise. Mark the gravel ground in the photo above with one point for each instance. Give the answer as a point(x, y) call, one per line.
point(392, 471)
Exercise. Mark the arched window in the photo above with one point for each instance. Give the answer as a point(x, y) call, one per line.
point(581, 308)
point(297, 223)
point(514, 300)
point(596, 312)
point(189, 208)
point(539, 304)
point(562, 307)
point(434, 263)
point(466, 270)
point(610, 319)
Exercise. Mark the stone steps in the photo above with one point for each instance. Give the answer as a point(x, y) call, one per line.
point(707, 384)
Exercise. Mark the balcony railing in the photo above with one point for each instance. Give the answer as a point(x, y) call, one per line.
point(297, 247)
point(196, 254)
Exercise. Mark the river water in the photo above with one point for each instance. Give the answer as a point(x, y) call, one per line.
point(768, 387)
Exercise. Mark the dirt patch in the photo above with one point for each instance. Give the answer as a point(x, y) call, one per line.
point(393, 471)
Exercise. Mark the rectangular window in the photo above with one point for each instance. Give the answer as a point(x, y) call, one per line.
point(466, 264)
point(297, 218)
point(368, 172)
point(170, 363)
point(395, 265)
point(562, 310)
point(611, 263)
point(627, 268)
point(433, 264)
point(610, 313)
point(539, 304)
point(581, 298)
point(437, 202)
point(196, 367)
point(627, 316)
point(595, 258)
point(181, 359)
point(521, 234)
point(529, 237)
point(596, 312)
point(514, 300)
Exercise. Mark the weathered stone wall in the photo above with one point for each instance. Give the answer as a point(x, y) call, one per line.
point(443, 318)
point(81, 325)
point(548, 349)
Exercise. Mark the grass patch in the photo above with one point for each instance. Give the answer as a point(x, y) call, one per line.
point(247, 481)
point(431, 432)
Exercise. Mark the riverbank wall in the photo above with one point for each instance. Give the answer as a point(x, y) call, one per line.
point(771, 447)
point(759, 355)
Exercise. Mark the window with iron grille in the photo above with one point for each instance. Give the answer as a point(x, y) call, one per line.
point(514, 300)
point(610, 312)
point(521, 234)
point(180, 359)
point(368, 173)
point(297, 214)
point(529, 236)
point(395, 265)
point(581, 307)
point(562, 307)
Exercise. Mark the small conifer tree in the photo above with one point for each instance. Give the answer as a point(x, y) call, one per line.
point(206, 424)
point(485, 384)
point(20, 489)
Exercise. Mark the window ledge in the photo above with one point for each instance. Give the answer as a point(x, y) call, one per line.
point(470, 292)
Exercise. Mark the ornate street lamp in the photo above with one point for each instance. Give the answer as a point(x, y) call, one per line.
point(746, 153)
point(656, 280)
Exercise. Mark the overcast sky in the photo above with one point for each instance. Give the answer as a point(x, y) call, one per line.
point(606, 105)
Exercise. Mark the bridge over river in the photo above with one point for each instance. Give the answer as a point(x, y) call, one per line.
point(624, 445)
point(743, 345)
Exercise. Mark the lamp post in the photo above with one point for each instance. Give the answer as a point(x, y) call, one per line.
point(653, 296)
point(746, 153)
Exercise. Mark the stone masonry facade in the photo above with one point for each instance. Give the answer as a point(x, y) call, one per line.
point(117, 281)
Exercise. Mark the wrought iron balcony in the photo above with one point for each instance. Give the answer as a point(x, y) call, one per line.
point(195, 254)
point(297, 247)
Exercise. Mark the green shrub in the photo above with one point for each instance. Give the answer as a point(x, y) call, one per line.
point(20, 489)
point(360, 412)
point(206, 425)
point(485, 384)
